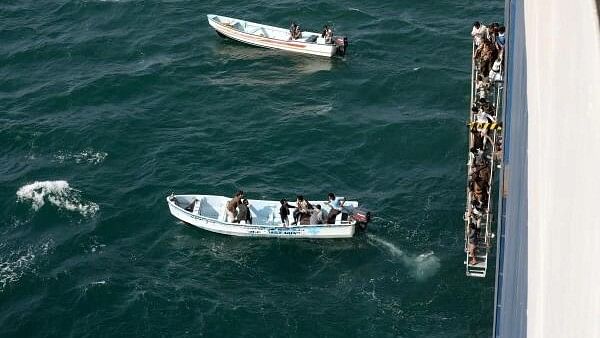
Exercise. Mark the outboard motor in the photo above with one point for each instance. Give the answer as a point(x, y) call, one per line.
point(362, 217)
point(341, 42)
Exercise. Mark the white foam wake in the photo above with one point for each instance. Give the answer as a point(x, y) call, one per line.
point(86, 156)
point(17, 263)
point(57, 193)
point(421, 267)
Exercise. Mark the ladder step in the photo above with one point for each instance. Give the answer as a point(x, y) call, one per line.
point(479, 265)
point(476, 274)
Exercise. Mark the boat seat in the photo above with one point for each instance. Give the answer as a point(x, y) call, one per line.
point(271, 218)
point(197, 204)
point(252, 212)
point(260, 31)
point(312, 38)
point(304, 219)
point(223, 213)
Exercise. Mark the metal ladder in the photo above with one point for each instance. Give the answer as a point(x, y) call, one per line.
point(486, 234)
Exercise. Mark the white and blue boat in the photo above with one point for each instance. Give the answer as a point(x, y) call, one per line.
point(208, 212)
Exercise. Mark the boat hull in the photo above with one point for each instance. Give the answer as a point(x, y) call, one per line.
point(249, 230)
point(295, 46)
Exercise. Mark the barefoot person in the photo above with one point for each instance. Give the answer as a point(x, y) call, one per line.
point(284, 212)
point(302, 209)
point(243, 215)
point(232, 205)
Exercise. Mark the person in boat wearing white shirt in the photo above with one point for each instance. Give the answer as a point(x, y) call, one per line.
point(478, 33)
point(336, 204)
point(317, 216)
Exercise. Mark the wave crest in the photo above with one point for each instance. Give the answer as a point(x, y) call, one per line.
point(57, 193)
point(15, 264)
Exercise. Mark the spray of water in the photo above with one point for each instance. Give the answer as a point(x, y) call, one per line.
point(420, 267)
point(57, 193)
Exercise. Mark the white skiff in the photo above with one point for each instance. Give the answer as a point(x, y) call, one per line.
point(274, 37)
point(208, 212)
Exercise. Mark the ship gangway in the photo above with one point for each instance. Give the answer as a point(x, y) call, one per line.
point(483, 217)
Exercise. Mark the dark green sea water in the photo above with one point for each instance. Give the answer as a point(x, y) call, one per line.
point(106, 107)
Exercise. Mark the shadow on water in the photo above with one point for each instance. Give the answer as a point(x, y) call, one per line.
point(227, 49)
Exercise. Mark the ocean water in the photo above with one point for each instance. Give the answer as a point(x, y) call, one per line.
point(106, 107)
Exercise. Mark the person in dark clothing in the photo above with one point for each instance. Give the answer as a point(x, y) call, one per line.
point(473, 238)
point(244, 212)
point(284, 212)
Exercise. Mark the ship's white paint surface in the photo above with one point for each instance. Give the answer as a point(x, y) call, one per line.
point(563, 95)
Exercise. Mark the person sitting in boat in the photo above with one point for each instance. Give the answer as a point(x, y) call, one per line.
point(327, 34)
point(292, 29)
point(295, 32)
point(284, 212)
point(243, 214)
point(232, 205)
point(302, 209)
point(336, 204)
point(317, 216)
